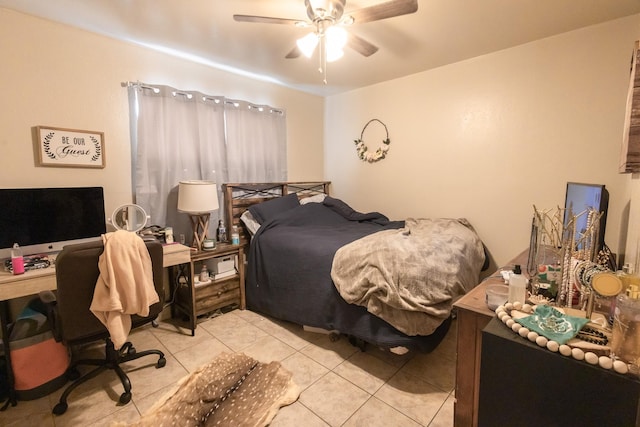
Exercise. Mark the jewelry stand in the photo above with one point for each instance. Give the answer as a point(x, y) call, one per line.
point(559, 240)
point(200, 225)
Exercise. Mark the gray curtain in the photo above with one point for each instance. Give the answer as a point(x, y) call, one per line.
point(184, 135)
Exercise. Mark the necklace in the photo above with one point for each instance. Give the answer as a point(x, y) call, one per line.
point(593, 336)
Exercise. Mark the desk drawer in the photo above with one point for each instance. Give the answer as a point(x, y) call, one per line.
point(217, 294)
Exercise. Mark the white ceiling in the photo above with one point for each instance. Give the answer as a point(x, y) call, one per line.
point(439, 33)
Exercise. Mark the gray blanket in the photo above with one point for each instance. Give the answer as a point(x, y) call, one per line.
point(410, 277)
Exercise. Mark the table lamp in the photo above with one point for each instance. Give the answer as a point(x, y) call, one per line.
point(198, 199)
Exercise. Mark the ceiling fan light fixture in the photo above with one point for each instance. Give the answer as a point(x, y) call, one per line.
point(320, 4)
point(336, 39)
point(347, 20)
point(327, 18)
point(307, 44)
point(334, 54)
point(324, 9)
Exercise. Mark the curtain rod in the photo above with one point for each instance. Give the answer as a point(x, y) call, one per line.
point(254, 106)
point(204, 97)
point(139, 84)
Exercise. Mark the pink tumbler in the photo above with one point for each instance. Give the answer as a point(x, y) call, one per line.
point(17, 261)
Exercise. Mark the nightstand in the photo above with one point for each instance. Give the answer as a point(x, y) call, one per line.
point(194, 298)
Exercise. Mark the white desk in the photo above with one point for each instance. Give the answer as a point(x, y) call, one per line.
point(29, 283)
point(44, 279)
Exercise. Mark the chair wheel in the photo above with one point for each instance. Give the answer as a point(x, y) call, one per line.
point(131, 350)
point(161, 363)
point(125, 398)
point(60, 408)
point(72, 375)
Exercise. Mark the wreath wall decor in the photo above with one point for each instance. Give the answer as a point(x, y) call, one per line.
point(372, 156)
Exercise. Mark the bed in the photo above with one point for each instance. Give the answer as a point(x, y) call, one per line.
point(310, 261)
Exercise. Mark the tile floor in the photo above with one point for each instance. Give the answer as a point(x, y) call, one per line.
point(340, 385)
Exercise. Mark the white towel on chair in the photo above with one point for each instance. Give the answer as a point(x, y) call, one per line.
point(125, 285)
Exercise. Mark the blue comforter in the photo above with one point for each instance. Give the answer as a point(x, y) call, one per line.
point(289, 273)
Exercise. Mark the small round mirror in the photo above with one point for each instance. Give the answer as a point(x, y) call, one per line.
point(129, 218)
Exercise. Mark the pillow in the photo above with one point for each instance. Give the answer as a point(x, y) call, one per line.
point(263, 212)
point(339, 206)
point(318, 198)
point(349, 213)
point(250, 222)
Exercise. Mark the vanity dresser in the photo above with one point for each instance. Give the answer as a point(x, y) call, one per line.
point(473, 315)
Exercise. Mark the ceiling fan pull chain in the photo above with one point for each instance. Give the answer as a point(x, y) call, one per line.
point(323, 58)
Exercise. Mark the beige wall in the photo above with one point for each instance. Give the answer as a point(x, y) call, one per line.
point(58, 76)
point(488, 138)
point(484, 139)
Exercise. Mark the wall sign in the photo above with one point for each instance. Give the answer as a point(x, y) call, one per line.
point(61, 147)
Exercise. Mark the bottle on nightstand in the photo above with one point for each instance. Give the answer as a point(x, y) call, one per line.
point(235, 235)
point(221, 233)
point(204, 273)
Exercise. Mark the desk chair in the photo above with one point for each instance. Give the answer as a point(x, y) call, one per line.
point(76, 276)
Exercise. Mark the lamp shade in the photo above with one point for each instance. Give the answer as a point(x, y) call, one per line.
point(196, 197)
point(307, 44)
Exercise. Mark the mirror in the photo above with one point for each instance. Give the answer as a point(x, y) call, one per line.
point(130, 218)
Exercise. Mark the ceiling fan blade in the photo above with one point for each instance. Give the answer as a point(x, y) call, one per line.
point(385, 10)
point(269, 20)
point(360, 45)
point(295, 52)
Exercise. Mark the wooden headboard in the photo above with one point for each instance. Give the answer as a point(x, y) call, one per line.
point(239, 197)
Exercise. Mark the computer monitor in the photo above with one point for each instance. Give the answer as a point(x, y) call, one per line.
point(581, 197)
point(44, 220)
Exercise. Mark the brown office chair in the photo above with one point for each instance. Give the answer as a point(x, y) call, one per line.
point(76, 276)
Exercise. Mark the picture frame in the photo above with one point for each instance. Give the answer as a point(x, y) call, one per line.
point(62, 147)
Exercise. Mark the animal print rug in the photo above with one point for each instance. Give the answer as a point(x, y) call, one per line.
point(232, 390)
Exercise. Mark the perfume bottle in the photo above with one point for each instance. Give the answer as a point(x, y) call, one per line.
point(625, 344)
point(204, 273)
point(628, 276)
point(221, 234)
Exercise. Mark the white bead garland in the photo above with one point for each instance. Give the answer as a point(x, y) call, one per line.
point(620, 367)
point(591, 358)
point(503, 312)
point(577, 353)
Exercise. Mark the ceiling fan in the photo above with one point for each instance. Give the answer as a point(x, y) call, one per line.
point(327, 19)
